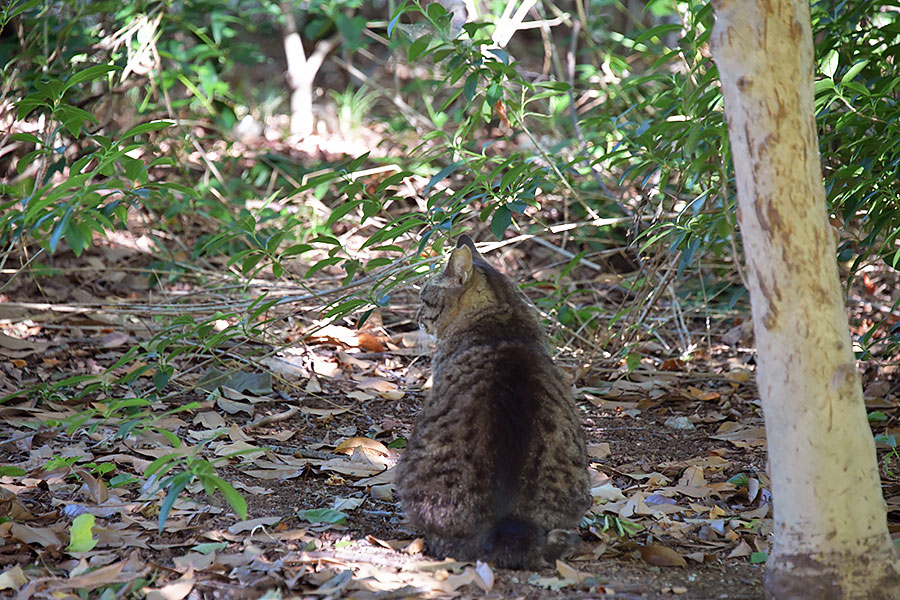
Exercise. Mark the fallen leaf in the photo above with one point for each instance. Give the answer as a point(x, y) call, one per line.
point(175, 590)
point(598, 451)
point(251, 524)
point(12, 508)
point(703, 395)
point(742, 549)
point(13, 578)
point(209, 420)
point(232, 407)
point(662, 556)
point(485, 579)
point(312, 386)
point(350, 444)
point(41, 536)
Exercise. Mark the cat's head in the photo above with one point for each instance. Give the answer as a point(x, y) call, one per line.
point(467, 287)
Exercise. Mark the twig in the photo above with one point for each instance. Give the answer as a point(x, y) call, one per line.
point(269, 419)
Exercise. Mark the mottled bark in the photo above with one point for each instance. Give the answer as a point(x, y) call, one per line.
point(831, 537)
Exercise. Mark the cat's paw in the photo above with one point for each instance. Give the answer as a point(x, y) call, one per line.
point(560, 544)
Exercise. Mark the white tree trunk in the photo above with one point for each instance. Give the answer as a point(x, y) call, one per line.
point(831, 537)
point(301, 72)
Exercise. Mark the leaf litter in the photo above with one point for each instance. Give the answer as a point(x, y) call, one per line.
point(309, 436)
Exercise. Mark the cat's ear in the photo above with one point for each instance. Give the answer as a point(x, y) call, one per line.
point(460, 265)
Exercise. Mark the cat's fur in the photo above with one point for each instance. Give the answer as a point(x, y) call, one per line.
point(495, 468)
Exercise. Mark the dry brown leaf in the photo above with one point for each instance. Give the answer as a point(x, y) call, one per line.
point(232, 407)
point(672, 364)
point(377, 384)
point(662, 556)
point(757, 513)
point(102, 576)
point(742, 438)
point(348, 445)
point(692, 477)
point(598, 451)
point(236, 434)
point(369, 342)
point(209, 420)
point(312, 386)
point(703, 395)
point(348, 360)
point(570, 573)
point(242, 449)
point(114, 339)
point(251, 524)
point(415, 546)
point(175, 590)
point(382, 492)
point(194, 561)
point(42, 536)
point(13, 578)
point(323, 413)
point(95, 488)
point(12, 508)
point(16, 348)
point(741, 550)
point(485, 576)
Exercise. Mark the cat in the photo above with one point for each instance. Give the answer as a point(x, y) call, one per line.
point(495, 468)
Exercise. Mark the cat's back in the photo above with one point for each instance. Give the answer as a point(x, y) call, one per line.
point(498, 448)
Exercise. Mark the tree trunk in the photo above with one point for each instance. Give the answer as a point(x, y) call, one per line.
point(301, 72)
point(831, 537)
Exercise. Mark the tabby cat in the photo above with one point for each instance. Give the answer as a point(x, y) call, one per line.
point(495, 468)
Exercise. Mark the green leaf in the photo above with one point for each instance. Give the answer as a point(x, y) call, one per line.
point(176, 486)
point(758, 557)
point(59, 229)
point(632, 361)
point(94, 72)
point(436, 11)
point(145, 127)
point(235, 500)
point(494, 93)
point(250, 262)
point(209, 547)
point(352, 31)
point(500, 221)
point(11, 471)
point(28, 137)
point(854, 71)
point(340, 211)
point(876, 416)
point(81, 537)
point(471, 86)
point(159, 463)
point(658, 32)
point(325, 262)
point(323, 515)
point(418, 47)
point(441, 175)
point(830, 64)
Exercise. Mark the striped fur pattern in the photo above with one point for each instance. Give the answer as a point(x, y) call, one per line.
point(495, 468)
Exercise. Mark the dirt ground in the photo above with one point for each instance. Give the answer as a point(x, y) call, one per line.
point(307, 432)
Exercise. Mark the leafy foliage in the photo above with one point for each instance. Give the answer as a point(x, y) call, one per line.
point(133, 113)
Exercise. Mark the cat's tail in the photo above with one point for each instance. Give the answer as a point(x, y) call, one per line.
point(519, 544)
point(516, 544)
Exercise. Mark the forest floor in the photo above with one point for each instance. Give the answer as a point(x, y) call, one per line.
point(309, 432)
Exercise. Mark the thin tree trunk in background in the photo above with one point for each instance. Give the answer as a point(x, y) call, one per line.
point(301, 72)
point(831, 536)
